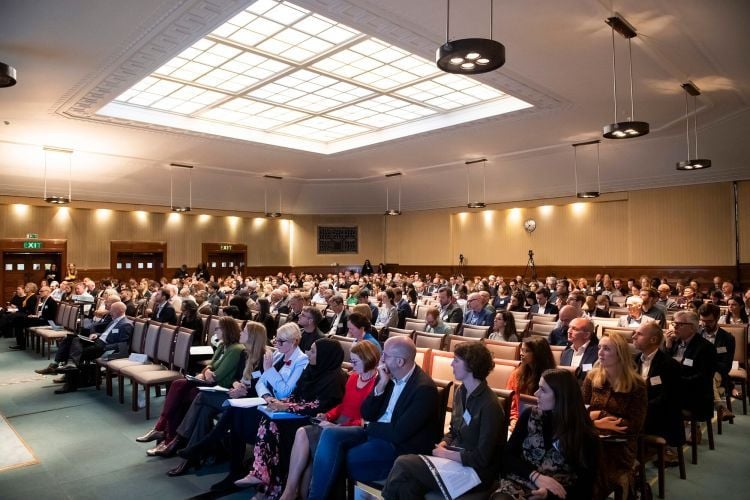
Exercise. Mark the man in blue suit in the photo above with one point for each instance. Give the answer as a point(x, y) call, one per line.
point(476, 313)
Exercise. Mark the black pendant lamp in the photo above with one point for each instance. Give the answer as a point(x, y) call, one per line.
point(631, 128)
point(7, 75)
point(391, 179)
point(469, 56)
point(695, 163)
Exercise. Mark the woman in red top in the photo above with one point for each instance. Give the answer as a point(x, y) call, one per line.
point(364, 358)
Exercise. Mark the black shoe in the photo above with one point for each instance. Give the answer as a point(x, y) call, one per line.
point(17, 348)
point(65, 389)
point(50, 370)
point(226, 485)
point(183, 468)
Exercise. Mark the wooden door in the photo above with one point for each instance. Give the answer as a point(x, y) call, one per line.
point(20, 268)
point(138, 265)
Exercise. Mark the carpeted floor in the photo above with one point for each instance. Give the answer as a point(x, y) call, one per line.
point(85, 446)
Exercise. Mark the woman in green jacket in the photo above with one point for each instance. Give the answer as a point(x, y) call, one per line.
point(221, 371)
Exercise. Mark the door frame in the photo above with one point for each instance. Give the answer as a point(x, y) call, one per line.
point(207, 248)
point(48, 246)
point(116, 246)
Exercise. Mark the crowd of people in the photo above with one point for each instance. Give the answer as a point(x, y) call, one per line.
point(576, 439)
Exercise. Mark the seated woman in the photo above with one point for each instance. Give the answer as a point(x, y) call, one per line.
point(189, 319)
point(617, 399)
point(554, 450)
point(320, 388)
point(473, 439)
point(502, 299)
point(220, 371)
point(266, 318)
point(504, 327)
point(198, 420)
point(387, 312)
point(517, 302)
point(735, 315)
point(536, 358)
point(364, 358)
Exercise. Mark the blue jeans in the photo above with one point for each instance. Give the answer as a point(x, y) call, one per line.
point(329, 455)
point(371, 460)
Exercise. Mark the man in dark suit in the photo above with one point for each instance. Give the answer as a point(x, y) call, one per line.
point(115, 337)
point(697, 359)
point(724, 343)
point(404, 309)
point(662, 376)
point(336, 325)
point(450, 311)
point(543, 305)
point(163, 310)
point(476, 313)
point(559, 336)
point(583, 348)
point(403, 413)
point(363, 297)
point(47, 311)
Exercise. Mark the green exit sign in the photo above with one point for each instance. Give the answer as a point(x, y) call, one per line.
point(32, 244)
point(226, 248)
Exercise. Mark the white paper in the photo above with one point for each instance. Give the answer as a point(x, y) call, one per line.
point(246, 402)
point(457, 478)
point(215, 388)
point(587, 367)
point(735, 365)
point(687, 362)
point(201, 350)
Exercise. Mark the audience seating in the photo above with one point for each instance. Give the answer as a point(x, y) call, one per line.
point(518, 315)
point(503, 350)
point(281, 319)
point(603, 322)
point(521, 326)
point(137, 341)
point(453, 340)
point(415, 324)
point(403, 332)
point(441, 369)
point(505, 397)
point(739, 374)
point(557, 351)
point(453, 326)
point(420, 311)
point(660, 444)
point(498, 377)
point(150, 349)
point(346, 344)
point(432, 340)
point(475, 332)
point(424, 359)
point(541, 329)
point(543, 318)
point(67, 316)
point(694, 426)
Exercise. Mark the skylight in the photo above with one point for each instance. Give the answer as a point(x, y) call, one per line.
point(279, 74)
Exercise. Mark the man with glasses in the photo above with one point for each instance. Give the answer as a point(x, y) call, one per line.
point(403, 416)
point(583, 348)
point(724, 344)
point(697, 359)
point(476, 313)
point(559, 336)
point(308, 321)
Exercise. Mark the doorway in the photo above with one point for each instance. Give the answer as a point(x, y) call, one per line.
point(221, 258)
point(137, 259)
point(20, 264)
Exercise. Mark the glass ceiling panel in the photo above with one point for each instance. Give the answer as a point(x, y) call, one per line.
point(281, 69)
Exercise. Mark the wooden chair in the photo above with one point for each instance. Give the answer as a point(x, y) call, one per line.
point(557, 351)
point(521, 326)
point(739, 375)
point(694, 426)
point(66, 316)
point(518, 315)
point(453, 326)
point(504, 350)
point(346, 344)
point(475, 332)
point(498, 377)
point(420, 312)
point(659, 444)
point(158, 349)
point(149, 346)
point(604, 322)
point(505, 397)
point(626, 332)
point(282, 319)
point(543, 318)
point(432, 340)
point(177, 369)
point(400, 332)
point(441, 369)
point(415, 324)
point(137, 340)
point(445, 392)
point(543, 329)
point(423, 359)
point(453, 340)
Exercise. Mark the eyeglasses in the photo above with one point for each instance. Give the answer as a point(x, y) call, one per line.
point(279, 341)
point(680, 323)
point(386, 355)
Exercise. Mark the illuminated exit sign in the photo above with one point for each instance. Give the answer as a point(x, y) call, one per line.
point(32, 244)
point(225, 248)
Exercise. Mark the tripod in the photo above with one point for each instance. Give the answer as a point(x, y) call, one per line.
point(530, 265)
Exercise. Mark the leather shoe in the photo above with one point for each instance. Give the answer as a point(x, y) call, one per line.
point(68, 367)
point(50, 370)
point(59, 380)
point(724, 414)
point(154, 452)
point(65, 389)
point(152, 435)
point(17, 348)
point(182, 468)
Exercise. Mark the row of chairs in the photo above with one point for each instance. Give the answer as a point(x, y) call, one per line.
point(68, 316)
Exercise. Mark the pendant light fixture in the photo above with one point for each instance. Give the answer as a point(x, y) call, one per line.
point(630, 128)
point(272, 179)
point(7, 75)
point(469, 56)
point(481, 202)
point(580, 193)
point(66, 156)
point(696, 163)
point(392, 179)
point(189, 169)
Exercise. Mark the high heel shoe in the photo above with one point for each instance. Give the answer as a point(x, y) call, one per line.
point(248, 481)
point(183, 468)
point(152, 435)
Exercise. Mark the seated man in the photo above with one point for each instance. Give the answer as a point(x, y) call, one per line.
point(433, 323)
point(118, 331)
point(543, 305)
point(47, 312)
point(476, 313)
point(450, 311)
point(725, 345)
point(308, 321)
point(163, 310)
point(559, 336)
point(403, 413)
point(582, 351)
point(649, 307)
point(661, 374)
point(665, 301)
point(363, 297)
point(336, 325)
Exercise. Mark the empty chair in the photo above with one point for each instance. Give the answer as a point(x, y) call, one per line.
point(453, 326)
point(543, 318)
point(475, 332)
point(557, 351)
point(421, 311)
point(605, 321)
point(137, 341)
point(150, 347)
point(521, 326)
point(627, 332)
point(519, 315)
point(441, 369)
point(431, 340)
point(503, 350)
point(739, 374)
point(423, 359)
point(498, 377)
point(541, 329)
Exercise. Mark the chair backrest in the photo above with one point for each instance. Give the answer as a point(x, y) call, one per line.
point(498, 377)
point(627, 332)
point(605, 321)
point(66, 310)
point(74, 315)
point(442, 370)
point(453, 340)
point(445, 393)
point(541, 328)
point(139, 335)
point(282, 318)
point(415, 324)
point(151, 344)
point(205, 319)
point(505, 397)
point(543, 318)
point(58, 319)
point(213, 324)
point(431, 340)
point(165, 346)
point(521, 326)
point(321, 307)
point(346, 344)
point(475, 332)
point(519, 315)
point(421, 311)
point(557, 351)
point(181, 358)
point(453, 326)
point(619, 300)
point(739, 332)
point(400, 332)
point(503, 350)
point(423, 359)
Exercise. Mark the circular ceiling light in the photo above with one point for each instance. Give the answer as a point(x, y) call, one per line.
point(470, 56)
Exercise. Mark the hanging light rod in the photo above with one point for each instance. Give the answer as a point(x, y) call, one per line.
point(630, 128)
point(587, 194)
point(476, 203)
point(189, 206)
point(272, 214)
point(52, 149)
point(273, 177)
point(181, 165)
point(696, 163)
point(472, 162)
point(389, 210)
point(469, 56)
point(587, 143)
point(54, 199)
point(8, 76)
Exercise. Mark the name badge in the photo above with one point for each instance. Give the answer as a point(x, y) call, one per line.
point(115, 330)
point(687, 362)
point(256, 374)
point(655, 380)
point(721, 350)
point(467, 417)
point(586, 367)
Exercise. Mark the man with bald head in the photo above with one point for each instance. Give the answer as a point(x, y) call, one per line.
point(559, 336)
point(116, 335)
point(582, 350)
point(402, 411)
point(476, 313)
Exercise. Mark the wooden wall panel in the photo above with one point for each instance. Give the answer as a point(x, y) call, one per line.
point(743, 189)
point(419, 238)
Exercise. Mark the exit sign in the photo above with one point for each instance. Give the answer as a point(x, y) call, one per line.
point(226, 248)
point(32, 244)
point(32, 236)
